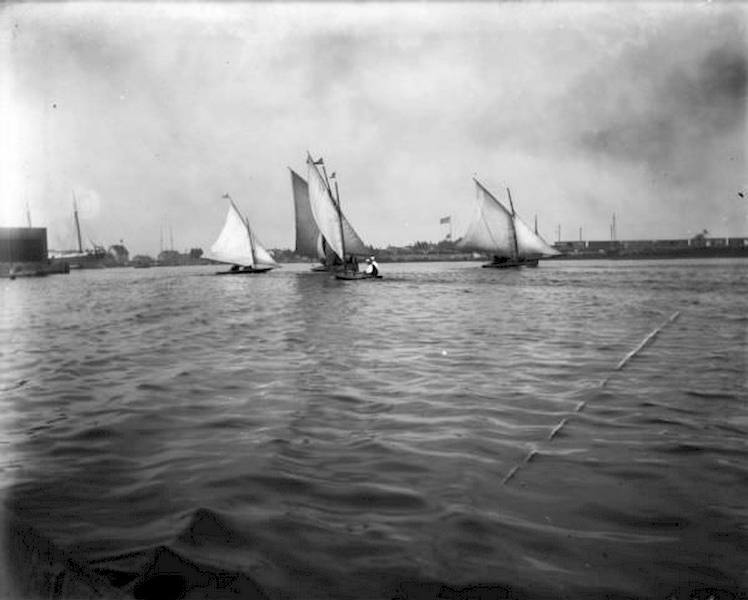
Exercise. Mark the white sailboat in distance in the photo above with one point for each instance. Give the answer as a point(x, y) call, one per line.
point(499, 231)
point(237, 245)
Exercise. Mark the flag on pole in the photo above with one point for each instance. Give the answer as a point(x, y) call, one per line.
point(445, 220)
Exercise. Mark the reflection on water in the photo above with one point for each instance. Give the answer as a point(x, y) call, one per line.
point(301, 437)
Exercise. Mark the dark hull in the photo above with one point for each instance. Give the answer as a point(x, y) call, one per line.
point(355, 276)
point(512, 264)
point(246, 271)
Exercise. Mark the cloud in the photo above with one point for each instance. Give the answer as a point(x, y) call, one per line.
point(583, 110)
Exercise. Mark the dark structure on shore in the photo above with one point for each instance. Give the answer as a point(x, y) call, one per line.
point(23, 244)
point(23, 253)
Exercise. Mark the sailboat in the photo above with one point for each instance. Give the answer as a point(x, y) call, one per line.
point(237, 245)
point(499, 231)
point(344, 244)
point(82, 258)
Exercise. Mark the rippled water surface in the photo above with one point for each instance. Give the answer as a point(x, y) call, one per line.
point(381, 439)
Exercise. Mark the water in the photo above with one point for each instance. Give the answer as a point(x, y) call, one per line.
point(330, 439)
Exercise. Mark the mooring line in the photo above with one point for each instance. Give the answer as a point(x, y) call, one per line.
point(644, 343)
point(14, 386)
point(580, 406)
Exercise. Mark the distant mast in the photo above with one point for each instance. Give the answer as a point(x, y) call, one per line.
point(28, 215)
point(77, 224)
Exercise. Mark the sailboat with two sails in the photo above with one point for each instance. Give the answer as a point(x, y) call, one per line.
point(499, 231)
point(237, 245)
point(341, 245)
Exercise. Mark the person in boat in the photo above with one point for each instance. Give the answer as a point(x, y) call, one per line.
point(372, 268)
point(235, 268)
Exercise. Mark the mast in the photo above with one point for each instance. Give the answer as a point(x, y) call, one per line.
point(514, 229)
point(251, 240)
point(245, 220)
point(28, 214)
point(340, 219)
point(336, 201)
point(77, 224)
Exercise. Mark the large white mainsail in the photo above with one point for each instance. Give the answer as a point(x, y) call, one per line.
point(235, 244)
point(308, 237)
point(324, 209)
point(338, 233)
point(501, 232)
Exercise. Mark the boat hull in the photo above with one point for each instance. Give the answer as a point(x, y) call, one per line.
point(512, 264)
point(245, 271)
point(355, 276)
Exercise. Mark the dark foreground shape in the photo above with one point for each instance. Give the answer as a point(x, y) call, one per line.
point(33, 567)
point(412, 590)
point(245, 271)
point(512, 264)
point(170, 576)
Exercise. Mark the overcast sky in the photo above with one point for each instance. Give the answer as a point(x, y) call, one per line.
point(150, 112)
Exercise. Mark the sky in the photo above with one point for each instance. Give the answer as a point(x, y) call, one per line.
point(147, 113)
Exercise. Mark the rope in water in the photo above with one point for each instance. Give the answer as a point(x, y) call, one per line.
point(14, 386)
point(580, 406)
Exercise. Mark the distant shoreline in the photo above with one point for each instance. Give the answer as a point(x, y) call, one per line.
point(675, 255)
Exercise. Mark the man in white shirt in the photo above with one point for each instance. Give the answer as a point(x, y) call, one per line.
point(372, 268)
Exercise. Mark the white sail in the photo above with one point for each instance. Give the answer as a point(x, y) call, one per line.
point(529, 243)
point(320, 248)
point(490, 230)
point(307, 232)
point(328, 217)
point(353, 243)
point(494, 229)
point(324, 210)
point(261, 255)
point(236, 244)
